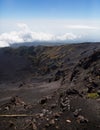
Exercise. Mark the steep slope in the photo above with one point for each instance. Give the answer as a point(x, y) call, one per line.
point(41, 60)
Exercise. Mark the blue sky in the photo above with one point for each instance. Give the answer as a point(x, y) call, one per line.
point(23, 9)
point(51, 19)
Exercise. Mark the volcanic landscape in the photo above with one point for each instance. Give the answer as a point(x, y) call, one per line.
point(50, 87)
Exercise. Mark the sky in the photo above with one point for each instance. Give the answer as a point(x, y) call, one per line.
point(49, 20)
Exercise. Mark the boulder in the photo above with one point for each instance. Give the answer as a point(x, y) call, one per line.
point(82, 119)
point(43, 100)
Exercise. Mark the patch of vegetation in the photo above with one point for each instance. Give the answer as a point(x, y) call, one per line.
point(93, 95)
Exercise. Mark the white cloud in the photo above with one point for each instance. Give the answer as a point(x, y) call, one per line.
point(3, 44)
point(67, 36)
point(81, 27)
point(26, 35)
point(23, 27)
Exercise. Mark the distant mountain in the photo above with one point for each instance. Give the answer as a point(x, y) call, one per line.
point(44, 43)
point(36, 43)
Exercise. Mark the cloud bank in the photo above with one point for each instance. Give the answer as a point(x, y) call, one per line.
point(26, 35)
point(86, 27)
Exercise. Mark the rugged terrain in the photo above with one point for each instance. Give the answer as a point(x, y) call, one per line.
point(50, 87)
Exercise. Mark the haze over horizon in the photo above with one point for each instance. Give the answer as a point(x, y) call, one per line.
point(49, 20)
